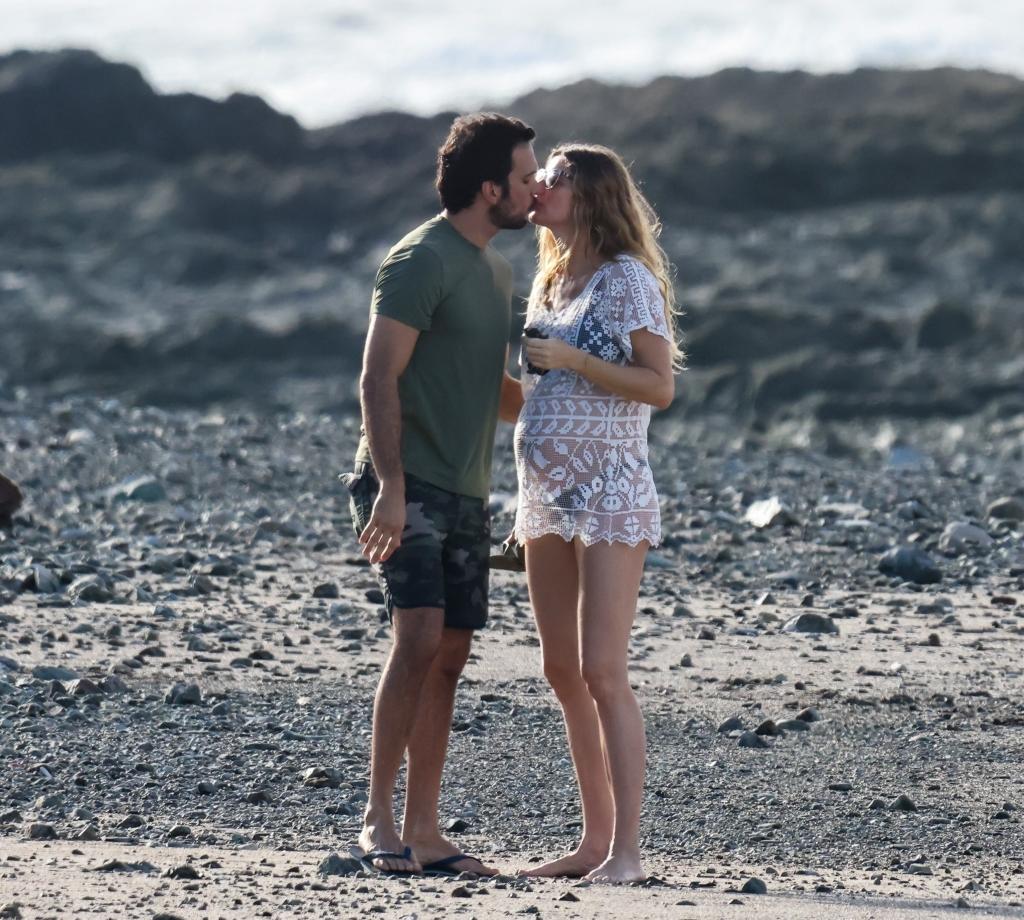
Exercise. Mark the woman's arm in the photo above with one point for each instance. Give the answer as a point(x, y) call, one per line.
point(647, 378)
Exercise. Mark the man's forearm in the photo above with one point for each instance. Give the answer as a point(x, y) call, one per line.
point(511, 403)
point(382, 419)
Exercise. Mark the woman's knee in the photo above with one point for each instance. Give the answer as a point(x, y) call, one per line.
point(563, 675)
point(605, 680)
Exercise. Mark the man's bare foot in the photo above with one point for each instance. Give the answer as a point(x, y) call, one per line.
point(576, 865)
point(379, 838)
point(618, 870)
point(435, 848)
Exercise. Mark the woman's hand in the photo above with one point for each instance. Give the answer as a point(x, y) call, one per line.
point(552, 354)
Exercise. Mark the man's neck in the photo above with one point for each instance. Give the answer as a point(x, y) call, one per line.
point(475, 225)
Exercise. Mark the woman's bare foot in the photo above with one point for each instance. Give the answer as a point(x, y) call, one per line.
point(618, 870)
point(436, 848)
point(576, 865)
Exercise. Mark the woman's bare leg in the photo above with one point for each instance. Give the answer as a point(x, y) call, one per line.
point(609, 586)
point(551, 571)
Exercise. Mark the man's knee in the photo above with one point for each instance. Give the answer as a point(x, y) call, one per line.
point(454, 652)
point(418, 635)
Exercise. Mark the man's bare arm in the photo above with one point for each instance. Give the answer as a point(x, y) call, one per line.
point(511, 403)
point(389, 346)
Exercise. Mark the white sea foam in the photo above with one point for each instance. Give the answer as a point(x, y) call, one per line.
point(324, 61)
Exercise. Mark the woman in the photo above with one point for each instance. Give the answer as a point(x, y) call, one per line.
point(599, 351)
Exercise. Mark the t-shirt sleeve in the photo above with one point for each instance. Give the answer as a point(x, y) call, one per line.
point(409, 287)
point(636, 303)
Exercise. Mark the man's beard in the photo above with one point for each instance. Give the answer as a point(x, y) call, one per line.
point(504, 218)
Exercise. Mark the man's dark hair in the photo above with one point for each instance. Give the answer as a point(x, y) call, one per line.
point(478, 149)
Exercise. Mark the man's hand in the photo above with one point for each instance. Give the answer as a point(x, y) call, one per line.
point(383, 533)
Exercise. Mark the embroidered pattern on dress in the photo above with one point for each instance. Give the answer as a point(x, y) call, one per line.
point(581, 451)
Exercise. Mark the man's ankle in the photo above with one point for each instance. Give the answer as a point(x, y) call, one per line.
point(377, 816)
point(420, 831)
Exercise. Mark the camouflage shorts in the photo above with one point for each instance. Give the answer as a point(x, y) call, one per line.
point(443, 557)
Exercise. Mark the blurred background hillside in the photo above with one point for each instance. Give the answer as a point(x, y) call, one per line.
point(194, 215)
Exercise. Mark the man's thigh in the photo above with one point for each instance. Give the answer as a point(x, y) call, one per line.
point(413, 577)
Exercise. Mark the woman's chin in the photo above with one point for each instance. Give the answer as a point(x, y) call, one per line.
point(536, 219)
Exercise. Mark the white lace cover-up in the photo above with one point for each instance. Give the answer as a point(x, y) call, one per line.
point(581, 451)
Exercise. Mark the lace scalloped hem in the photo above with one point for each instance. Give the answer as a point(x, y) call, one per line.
point(569, 532)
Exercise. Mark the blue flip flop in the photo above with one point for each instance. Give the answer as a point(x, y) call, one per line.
point(367, 860)
point(446, 866)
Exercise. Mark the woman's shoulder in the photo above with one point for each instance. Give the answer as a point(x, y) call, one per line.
point(631, 270)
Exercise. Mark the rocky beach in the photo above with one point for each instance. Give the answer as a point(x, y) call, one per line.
point(829, 642)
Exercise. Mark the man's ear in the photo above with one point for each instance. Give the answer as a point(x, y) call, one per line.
point(491, 192)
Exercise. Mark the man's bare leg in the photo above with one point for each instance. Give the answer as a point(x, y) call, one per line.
point(417, 642)
point(428, 746)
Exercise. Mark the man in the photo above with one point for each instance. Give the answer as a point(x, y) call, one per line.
point(432, 388)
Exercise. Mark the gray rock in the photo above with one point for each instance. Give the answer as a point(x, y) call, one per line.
point(89, 589)
point(321, 778)
point(44, 581)
point(113, 684)
point(810, 714)
point(808, 622)
point(902, 802)
point(40, 831)
point(54, 672)
point(961, 537)
point(770, 512)
point(140, 489)
point(84, 687)
point(751, 740)
point(336, 864)
point(733, 723)
point(768, 729)
point(754, 886)
point(328, 590)
point(911, 564)
point(184, 695)
point(794, 725)
point(1006, 509)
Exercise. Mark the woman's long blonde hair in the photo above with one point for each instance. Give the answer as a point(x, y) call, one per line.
point(608, 207)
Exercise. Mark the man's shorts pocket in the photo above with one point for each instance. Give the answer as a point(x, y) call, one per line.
point(362, 492)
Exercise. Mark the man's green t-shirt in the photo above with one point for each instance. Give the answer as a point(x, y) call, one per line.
point(459, 297)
